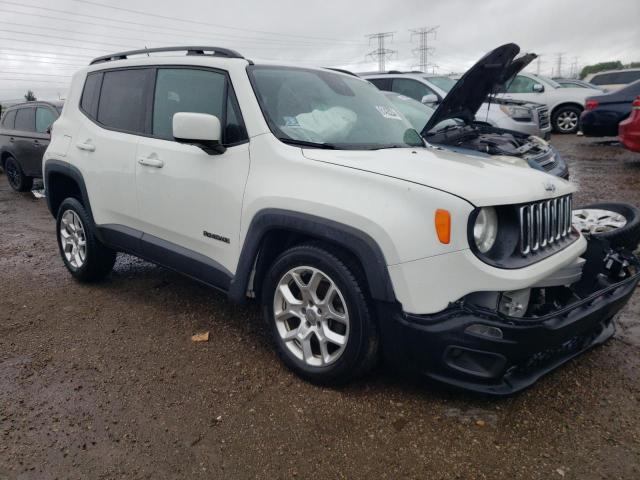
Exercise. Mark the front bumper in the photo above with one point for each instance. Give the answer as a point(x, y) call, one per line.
point(441, 347)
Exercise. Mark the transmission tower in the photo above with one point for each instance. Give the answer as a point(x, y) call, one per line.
point(381, 53)
point(559, 64)
point(423, 49)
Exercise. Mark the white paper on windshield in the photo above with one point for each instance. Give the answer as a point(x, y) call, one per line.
point(387, 112)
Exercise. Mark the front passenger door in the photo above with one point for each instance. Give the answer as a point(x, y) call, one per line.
point(191, 201)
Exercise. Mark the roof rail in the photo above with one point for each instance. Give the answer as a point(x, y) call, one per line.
point(215, 52)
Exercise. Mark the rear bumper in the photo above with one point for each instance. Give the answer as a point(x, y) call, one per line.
point(629, 132)
point(441, 346)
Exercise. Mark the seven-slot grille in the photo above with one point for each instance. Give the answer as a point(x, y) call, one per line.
point(543, 117)
point(543, 224)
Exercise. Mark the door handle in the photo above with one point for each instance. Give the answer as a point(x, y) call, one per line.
point(36, 142)
point(151, 162)
point(11, 139)
point(87, 147)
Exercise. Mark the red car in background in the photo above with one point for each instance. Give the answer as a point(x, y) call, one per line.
point(629, 129)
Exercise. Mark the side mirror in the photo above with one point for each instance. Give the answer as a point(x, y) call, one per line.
point(199, 129)
point(430, 98)
point(538, 87)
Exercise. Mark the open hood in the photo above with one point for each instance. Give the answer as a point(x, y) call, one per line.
point(481, 80)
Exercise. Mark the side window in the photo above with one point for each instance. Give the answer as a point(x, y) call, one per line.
point(44, 118)
point(411, 88)
point(628, 77)
point(604, 79)
point(9, 120)
point(26, 119)
point(381, 83)
point(199, 91)
point(122, 102)
point(91, 94)
point(521, 84)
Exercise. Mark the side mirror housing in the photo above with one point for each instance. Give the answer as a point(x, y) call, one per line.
point(430, 98)
point(199, 129)
point(538, 87)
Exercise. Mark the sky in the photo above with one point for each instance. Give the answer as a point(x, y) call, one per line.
point(43, 42)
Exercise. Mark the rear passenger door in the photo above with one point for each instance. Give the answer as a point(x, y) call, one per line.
point(115, 106)
point(190, 201)
point(24, 147)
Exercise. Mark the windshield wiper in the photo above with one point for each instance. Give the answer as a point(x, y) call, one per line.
point(305, 143)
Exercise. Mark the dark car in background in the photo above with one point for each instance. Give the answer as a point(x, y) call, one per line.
point(24, 136)
point(573, 83)
point(603, 113)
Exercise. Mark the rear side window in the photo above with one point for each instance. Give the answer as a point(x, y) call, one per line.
point(44, 118)
point(91, 94)
point(381, 83)
point(9, 120)
point(122, 104)
point(199, 91)
point(26, 119)
point(604, 79)
point(628, 77)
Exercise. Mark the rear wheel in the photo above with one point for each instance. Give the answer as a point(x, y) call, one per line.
point(566, 119)
point(319, 316)
point(16, 177)
point(86, 258)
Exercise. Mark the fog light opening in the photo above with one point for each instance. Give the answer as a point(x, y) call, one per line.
point(484, 330)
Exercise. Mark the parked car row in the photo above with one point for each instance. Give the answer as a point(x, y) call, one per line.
point(603, 113)
point(363, 233)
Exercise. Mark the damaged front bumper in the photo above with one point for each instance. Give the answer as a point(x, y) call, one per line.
point(483, 350)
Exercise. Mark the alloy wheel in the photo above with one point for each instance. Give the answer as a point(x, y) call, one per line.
point(589, 220)
point(567, 121)
point(13, 174)
point(311, 316)
point(73, 239)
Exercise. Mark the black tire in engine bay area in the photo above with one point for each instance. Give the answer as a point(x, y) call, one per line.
point(618, 223)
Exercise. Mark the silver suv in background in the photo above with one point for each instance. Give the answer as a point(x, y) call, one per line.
point(517, 115)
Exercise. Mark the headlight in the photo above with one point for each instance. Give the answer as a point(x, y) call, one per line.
point(485, 230)
point(517, 113)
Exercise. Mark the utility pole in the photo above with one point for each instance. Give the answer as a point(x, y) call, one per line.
point(423, 49)
point(381, 53)
point(559, 67)
point(538, 65)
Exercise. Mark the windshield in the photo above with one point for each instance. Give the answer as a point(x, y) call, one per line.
point(329, 110)
point(443, 83)
point(417, 113)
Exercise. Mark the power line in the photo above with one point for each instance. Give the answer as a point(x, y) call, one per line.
point(52, 55)
point(381, 53)
point(208, 24)
point(424, 49)
point(117, 45)
point(101, 50)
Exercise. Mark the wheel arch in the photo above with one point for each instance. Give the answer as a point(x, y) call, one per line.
point(63, 180)
point(566, 104)
point(273, 230)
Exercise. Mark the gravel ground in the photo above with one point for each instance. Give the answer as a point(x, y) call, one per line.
point(103, 381)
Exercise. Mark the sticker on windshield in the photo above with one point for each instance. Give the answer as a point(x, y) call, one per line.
point(291, 122)
point(387, 112)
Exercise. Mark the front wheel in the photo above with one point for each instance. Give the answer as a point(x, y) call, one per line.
point(86, 258)
point(16, 177)
point(566, 119)
point(319, 316)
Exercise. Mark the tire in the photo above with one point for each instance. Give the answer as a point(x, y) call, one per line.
point(16, 177)
point(75, 230)
point(334, 364)
point(566, 119)
point(627, 236)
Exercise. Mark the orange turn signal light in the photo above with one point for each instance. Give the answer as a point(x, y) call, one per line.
point(443, 226)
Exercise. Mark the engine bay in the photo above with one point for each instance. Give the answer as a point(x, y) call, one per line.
point(491, 141)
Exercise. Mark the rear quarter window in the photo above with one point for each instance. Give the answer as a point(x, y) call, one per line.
point(9, 120)
point(91, 94)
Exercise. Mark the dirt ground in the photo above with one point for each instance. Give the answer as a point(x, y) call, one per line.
point(103, 381)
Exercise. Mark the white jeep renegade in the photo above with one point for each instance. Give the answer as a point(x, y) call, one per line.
point(306, 189)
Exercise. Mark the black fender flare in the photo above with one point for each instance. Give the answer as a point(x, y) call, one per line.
point(353, 240)
point(64, 168)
